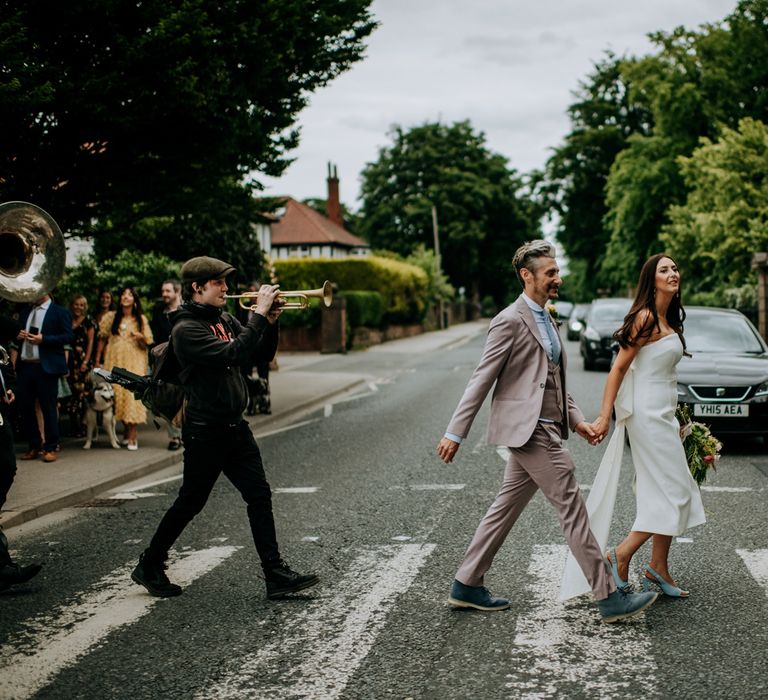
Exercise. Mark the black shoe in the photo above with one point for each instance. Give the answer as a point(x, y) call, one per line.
point(151, 575)
point(13, 574)
point(281, 579)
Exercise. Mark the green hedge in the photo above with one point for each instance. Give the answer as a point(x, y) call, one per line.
point(364, 309)
point(403, 287)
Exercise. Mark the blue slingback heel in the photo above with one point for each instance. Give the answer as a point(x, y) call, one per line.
point(666, 588)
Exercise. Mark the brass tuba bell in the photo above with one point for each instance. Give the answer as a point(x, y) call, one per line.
point(32, 252)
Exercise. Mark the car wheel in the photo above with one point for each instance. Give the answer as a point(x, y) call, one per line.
point(589, 365)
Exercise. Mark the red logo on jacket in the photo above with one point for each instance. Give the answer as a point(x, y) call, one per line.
point(221, 332)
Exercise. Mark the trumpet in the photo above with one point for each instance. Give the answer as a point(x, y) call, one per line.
point(292, 300)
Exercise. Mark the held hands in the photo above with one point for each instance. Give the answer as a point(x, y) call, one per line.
point(600, 427)
point(446, 449)
point(588, 432)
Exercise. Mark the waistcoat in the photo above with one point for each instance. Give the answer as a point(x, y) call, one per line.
point(552, 407)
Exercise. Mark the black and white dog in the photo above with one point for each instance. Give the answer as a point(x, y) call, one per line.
point(101, 399)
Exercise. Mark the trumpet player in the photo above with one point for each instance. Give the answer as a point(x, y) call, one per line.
point(211, 345)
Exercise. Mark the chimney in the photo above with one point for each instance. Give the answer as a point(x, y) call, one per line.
point(333, 205)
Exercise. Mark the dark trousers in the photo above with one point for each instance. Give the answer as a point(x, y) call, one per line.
point(7, 474)
point(34, 383)
point(209, 451)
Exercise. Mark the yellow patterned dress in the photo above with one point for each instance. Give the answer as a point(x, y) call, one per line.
point(124, 351)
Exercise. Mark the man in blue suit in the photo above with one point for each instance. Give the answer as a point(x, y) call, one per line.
point(47, 328)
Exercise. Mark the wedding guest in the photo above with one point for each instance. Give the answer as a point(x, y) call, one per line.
point(105, 304)
point(124, 337)
point(80, 362)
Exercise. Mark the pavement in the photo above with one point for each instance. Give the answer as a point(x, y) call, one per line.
point(297, 388)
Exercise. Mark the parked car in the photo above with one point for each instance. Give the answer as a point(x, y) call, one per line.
point(603, 320)
point(725, 381)
point(577, 321)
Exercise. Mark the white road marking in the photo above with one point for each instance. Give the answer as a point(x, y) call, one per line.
point(132, 542)
point(373, 387)
point(481, 443)
point(58, 639)
point(296, 489)
point(310, 538)
point(504, 453)
point(436, 487)
point(327, 640)
point(402, 538)
point(293, 426)
point(563, 649)
point(175, 477)
point(757, 563)
point(328, 410)
point(727, 489)
point(684, 540)
point(133, 495)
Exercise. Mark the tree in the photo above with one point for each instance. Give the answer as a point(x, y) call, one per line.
point(481, 216)
point(724, 219)
point(603, 117)
point(696, 82)
point(118, 112)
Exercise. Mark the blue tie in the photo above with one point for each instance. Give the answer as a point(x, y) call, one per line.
point(553, 339)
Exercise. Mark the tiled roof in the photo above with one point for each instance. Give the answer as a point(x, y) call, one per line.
point(302, 225)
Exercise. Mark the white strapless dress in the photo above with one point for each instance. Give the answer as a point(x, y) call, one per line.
point(668, 498)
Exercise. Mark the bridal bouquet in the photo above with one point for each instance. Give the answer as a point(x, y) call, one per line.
point(702, 449)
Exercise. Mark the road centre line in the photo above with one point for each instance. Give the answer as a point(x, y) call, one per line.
point(63, 636)
point(727, 489)
point(285, 429)
point(328, 646)
point(565, 649)
point(756, 560)
point(296, 489)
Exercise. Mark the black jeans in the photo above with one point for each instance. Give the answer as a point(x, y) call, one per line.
point(209, 451)
point(7, 474)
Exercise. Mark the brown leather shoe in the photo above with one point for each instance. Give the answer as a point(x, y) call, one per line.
point(49, 457)
point(31, 454)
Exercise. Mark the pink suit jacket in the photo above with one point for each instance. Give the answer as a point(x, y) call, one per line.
point(515, 359)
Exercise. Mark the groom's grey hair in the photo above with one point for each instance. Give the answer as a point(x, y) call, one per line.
point(528, 253)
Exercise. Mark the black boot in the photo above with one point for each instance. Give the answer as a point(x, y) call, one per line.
point(13, 574)
point(281, 579)
point(150, 573)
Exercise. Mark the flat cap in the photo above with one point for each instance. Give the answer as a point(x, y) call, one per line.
point(205, 268)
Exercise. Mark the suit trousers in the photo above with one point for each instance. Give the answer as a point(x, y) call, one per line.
point(33, 382)
point(209, 451)
point(542, 463)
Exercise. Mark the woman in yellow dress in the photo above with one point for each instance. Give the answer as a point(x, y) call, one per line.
point(124, 336)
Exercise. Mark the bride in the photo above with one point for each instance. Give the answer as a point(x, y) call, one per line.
point(643, 386)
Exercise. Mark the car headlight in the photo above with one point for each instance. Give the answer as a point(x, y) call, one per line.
point(591, 334)
point(762, 390)
point(575, 325)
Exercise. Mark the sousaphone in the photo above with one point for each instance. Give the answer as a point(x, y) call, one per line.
point(32, 252)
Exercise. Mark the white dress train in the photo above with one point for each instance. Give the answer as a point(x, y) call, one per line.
point(667, 496)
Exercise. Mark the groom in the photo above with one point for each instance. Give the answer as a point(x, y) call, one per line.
point(530, 413)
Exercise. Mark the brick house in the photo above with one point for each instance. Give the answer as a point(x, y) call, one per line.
point(302, 232)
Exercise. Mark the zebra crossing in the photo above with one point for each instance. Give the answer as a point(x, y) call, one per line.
point(328, 636)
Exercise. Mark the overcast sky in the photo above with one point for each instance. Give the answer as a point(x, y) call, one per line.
point(509, 66)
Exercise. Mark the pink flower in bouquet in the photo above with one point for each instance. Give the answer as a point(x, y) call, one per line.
point(709, 459)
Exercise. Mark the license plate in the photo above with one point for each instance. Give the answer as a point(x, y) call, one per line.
point(721, 410)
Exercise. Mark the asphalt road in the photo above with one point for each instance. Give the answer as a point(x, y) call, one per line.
point(361, 498)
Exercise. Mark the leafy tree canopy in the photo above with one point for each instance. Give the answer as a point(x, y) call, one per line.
point(724, 219)
point(696, 82)
point(602, 119)
point(122, 114)
point(482, 217)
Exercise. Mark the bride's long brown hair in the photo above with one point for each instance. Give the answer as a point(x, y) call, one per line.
point(645, 299)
